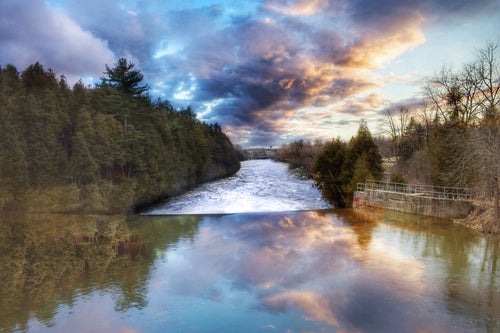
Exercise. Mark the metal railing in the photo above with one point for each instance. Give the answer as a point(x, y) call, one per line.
point(454, 193)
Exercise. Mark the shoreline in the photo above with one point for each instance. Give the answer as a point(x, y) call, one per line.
point(481, 219)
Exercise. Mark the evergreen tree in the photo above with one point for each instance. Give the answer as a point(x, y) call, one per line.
point(125, 78)
point(328, 172)
point(341, 167)
point(83, 165)
point(361, 173)
point(361, 144)
point(116, 148)
point(35, 77)
point(13, 162)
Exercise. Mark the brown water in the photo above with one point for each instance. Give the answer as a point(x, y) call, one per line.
point(313, 271)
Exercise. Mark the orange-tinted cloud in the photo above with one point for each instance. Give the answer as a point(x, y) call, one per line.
point(314, 305)
point(297, 7)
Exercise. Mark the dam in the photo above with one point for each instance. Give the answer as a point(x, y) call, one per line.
point(445, 202)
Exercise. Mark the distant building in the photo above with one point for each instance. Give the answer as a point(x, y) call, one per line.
point(259, 153)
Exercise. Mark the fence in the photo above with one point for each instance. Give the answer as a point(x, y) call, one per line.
point(455, 193)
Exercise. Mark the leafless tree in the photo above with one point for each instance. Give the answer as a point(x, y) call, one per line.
point(395, 124)
point(454, 95)
point(487, 72)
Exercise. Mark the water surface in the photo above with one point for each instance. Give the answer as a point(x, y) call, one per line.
point(314, 271)
point(259, 186)
point(284, 267)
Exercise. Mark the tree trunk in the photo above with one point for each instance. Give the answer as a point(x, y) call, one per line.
point(497, 183)
point(497, 210)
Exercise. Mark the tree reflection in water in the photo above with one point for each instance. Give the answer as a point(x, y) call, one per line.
point(47, 261)
point(343, 270)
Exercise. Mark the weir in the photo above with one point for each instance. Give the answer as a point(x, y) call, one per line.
point(445, 202)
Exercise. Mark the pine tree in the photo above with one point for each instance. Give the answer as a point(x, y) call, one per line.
point(361, 173)
point(363, 143)
point(125, 78)
point(83, 165)
point(340, 167)
point(328, 172)
point(13, 163)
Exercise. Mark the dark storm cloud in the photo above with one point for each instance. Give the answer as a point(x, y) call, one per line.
point(268, 68)
point(249, 88)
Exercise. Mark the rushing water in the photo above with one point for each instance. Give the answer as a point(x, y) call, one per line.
point(361, 270)
point(259, 186)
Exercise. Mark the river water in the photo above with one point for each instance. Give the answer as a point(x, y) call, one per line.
point(329, 270)
point(259, 186)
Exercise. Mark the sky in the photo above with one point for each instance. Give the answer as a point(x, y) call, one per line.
point(268, 71)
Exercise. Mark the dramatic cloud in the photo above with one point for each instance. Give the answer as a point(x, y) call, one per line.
point(251, 66)
point(30, 32)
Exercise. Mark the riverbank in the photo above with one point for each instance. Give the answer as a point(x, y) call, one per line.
point(103, 197)
point(481, 219)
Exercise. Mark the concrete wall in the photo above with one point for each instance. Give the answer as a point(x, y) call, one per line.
point(410, 203)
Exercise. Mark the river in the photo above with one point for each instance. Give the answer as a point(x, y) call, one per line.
point(259, 186)
point(284, 269)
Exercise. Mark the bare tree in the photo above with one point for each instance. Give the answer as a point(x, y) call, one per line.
point(487, 72)
point(454, 95)
point(395, 124)
point(484, 155)
point(469, 102)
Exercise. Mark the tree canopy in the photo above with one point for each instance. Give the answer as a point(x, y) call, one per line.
point(99, 149)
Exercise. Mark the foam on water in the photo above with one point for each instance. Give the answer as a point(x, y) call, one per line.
point(259, 186)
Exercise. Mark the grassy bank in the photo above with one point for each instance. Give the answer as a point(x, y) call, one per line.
point(481, 219)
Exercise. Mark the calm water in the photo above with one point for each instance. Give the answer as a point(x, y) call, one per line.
point(297, 271)
point(315, 271)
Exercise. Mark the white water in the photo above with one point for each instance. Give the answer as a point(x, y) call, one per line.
point(259, 186)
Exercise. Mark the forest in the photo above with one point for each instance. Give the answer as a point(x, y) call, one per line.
point(106, 148)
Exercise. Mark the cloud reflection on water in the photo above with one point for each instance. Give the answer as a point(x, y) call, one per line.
point(308, 262)
point(325, 271)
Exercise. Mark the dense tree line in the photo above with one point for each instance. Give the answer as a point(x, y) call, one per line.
point(300, 154)
point(342, 165)
point(454, 138)
point(100, 148)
